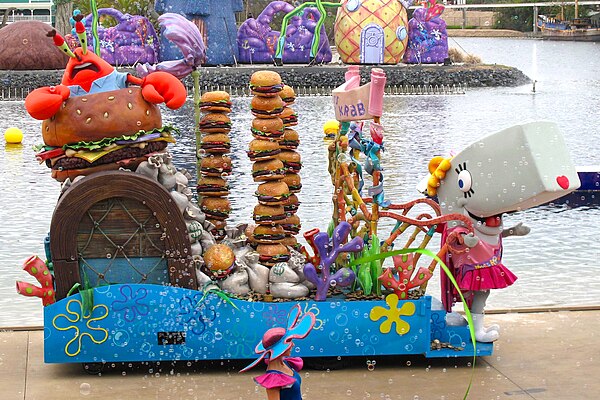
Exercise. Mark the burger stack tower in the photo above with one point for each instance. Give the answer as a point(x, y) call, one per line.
point(292, 164)
point(215, 164)
point(276, 166)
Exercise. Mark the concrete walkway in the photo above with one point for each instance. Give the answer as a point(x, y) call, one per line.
point(546, 355)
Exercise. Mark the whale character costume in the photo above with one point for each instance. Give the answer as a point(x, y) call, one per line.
point(511, 170)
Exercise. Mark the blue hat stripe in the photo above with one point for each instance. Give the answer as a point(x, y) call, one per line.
point(302, 328)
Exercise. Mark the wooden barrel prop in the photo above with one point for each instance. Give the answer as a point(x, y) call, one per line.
point(119, 227)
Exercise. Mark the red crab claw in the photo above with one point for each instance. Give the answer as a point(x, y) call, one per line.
point(160, 87)
point(45, 102)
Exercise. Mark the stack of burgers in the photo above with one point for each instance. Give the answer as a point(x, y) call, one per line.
point(292, 164)
point(215, 165)
point(268, 170)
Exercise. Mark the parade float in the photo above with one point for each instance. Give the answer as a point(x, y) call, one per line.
point(137, 270)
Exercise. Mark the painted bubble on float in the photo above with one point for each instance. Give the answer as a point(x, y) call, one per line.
point(215, 20)
point(133, 40)
point(427, 36)
point(257, 41)
point(371, 31)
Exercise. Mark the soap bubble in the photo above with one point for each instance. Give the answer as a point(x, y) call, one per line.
point(85, 388)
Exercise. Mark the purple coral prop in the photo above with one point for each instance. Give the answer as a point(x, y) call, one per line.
point(329, 250)
point(187, 38)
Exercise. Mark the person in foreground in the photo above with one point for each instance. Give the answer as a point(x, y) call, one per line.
point(281, 380)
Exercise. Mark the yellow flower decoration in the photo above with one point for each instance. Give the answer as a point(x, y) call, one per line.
point(437, 168)
point(393, 315)
point(78, 318)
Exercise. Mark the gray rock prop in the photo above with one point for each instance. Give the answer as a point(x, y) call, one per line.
point(160, 167)
point(286, 279)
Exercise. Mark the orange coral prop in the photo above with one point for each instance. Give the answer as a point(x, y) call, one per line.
point(37, 268)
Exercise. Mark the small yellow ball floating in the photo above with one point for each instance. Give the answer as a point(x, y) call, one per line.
point(13, 135)
point(331, 126)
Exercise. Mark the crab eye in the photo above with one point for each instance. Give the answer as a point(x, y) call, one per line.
point(464, 180)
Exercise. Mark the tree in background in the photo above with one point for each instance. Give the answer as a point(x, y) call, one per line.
point(517, 19)
point(521, 18)
point(64, 11)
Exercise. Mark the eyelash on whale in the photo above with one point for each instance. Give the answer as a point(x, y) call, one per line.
point(463, 167)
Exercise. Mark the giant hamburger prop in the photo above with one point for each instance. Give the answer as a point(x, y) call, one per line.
point(95, 119)
point(271, 254)
point(215, 102)
point(103, 131)
point(219, 259)
point(265, 84)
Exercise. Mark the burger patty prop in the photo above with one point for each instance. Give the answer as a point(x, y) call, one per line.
point(211, 186)
point(260, 150)
point(288, 95)
point(98, 118)
point(212, 189)
point(215, 165)
point(268, 170)
point(271, 254)
point(215, 123)
point(290, 139)
point(272, 193)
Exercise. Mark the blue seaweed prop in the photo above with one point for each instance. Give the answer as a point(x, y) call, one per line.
point(328, 250)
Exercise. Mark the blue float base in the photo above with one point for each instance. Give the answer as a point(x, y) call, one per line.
point(132, 323)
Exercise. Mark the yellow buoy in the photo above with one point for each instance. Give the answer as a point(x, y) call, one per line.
point(13, 135)
point(330, 129)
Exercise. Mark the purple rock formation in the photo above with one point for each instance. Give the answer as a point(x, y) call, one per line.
point(427, 38)
point(257, 42)
point(133, 40)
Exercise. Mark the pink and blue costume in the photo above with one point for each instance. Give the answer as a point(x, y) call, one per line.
point(278, 342)
point(289, 385)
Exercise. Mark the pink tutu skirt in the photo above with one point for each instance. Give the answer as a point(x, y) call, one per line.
point(494, 277)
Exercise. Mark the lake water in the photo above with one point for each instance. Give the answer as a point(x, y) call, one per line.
point(556, 263)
